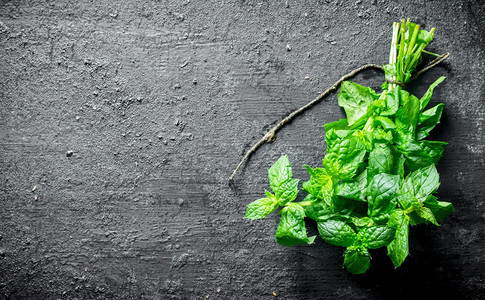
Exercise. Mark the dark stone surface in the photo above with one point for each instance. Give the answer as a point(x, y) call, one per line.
point(158, 100)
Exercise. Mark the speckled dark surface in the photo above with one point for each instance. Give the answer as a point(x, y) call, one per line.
point(158, 100)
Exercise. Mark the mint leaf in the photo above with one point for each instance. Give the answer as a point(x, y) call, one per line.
point(291, 229)
point(428, 120)
point(385, 122)
point(391, 102)
point(344, 157)
point(320, 184)
point(427, 215)
point(354, 99)
point(336, 233)
point(382, 219)
point(440, 209)
point(281, 182)
point(341, 124)
point(421, 183)
point(407, 115)
point(346, 206)
point(334, 136)
point(362, 222)
point(279, 172)
point(434, 149)
point(380, 135)
point(381, 193)
point(416, 156)
point(376, 236)
point(287, 191)
point(260, 208)
point(415, 190)
point(354, 189)
point(398, 249)
point(424, 37)
point(384, 158)
point(357, 260)
point(427, 96)
point(316, 208)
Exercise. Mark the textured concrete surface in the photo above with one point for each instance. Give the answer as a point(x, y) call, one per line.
point(158, 100)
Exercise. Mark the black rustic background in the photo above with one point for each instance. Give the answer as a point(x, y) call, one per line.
point(158, 100)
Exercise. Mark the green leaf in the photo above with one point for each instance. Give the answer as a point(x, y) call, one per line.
point(346, 206)
point(291, 229)
point(398, 249)
point(362, 222)
point(357, 260)
point(354, 189)
point(333, 137)
point(366, 138)
point(407, 115)
point(341, 124)
point(349, 190)
point(428, 120)
point(385, 122)
point(355, 98)
point(360, 122)
point(316, 209)
point(415, 189)
point(440, 209)
point(279, 172)
point(421, 183)
point(281, 182)
point(287, 191)
point(416, 156)
point(344, 157)
point(380, 135)
point(391, 102)
point(260, 208)
point(424, 37)
point(427, 96)
point(434, 149)
point(381, 193)
point(376, 236)
point(427, 215)
point(320, 184)
point(336, 233)
point(382, 219)
point(384, 158)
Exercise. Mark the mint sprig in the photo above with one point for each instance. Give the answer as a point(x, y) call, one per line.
point(378, 176)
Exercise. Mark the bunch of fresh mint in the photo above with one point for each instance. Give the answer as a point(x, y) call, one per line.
point(379, 173)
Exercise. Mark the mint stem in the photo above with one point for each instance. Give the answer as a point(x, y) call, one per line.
point(393, 52)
